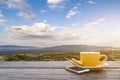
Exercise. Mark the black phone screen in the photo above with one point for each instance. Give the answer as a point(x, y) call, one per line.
point(76, 68)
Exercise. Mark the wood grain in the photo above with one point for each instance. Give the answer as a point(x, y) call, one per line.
point(54, 70)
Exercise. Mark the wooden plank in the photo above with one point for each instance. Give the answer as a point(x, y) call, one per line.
point(36, 64)
point(47, 64)
point(54, 70)
point(56, 74)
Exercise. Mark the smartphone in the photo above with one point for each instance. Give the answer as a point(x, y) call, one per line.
point(77, 69)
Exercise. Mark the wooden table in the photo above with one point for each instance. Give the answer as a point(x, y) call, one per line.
point(54, 70)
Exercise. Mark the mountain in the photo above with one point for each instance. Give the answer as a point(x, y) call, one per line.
point(16, 47)
point(78, 48)
point(7, 48)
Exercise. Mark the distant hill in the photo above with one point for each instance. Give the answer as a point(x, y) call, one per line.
point(16, 47)
point(30, 49)
point(78, 48)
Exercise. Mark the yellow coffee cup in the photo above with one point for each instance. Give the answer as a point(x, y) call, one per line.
point(92, 58)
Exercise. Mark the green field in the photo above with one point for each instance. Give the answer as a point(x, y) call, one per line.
point(54, 56)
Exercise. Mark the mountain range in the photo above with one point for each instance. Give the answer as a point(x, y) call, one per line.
point(57, 48)
point(16, 47)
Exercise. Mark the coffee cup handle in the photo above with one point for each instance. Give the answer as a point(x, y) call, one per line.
point(105, 58)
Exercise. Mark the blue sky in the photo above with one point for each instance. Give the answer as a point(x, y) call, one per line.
point(46, 23)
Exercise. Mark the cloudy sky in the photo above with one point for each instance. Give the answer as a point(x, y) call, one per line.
point(44, 23)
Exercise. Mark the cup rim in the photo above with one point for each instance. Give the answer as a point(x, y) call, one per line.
point(90, 52)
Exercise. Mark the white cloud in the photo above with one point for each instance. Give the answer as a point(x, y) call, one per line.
point(44, 21)
point(98, 22)
point(56, 6)
point(103, 39)
point(28, 15)
point(68, 34)
point(42, 31)
point(92, 34)
point(91, 2)
point(2, 21)
point(42, 11)
point(54, 1)
point(23, 7)
point(53, 4)
point(72, 12)
point(37, 30)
